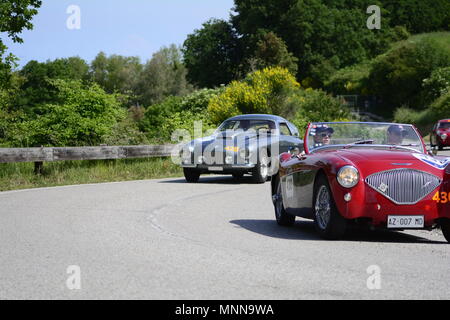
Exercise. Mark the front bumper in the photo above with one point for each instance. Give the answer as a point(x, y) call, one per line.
point(220, 168)
point(444, 142)
point(367, 203)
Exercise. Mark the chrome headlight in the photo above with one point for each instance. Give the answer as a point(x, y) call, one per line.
point(348, 176)
point(443, 136)
point(245, 153)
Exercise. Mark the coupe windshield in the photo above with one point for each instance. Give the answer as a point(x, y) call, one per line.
point(256, 125)
point(444, 125)
point(349, 134)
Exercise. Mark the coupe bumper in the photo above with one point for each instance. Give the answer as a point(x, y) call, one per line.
point(220, 168)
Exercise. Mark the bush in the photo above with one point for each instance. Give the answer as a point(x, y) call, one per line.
point(437, 84)
point(350, 80)
point(263, 91)
point(441, 107)
point(317, 105)
point(81, 115)
point(398, 75)
point(425, 119)
point(125, 133)
point(160, 120)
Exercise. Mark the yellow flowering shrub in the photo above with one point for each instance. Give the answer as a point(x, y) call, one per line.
point(260, 92)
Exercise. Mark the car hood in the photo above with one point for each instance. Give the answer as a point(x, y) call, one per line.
point(223, 139)
point(369, 161)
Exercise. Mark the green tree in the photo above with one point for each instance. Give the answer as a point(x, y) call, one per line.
point(213, 54)
point(419, 16)
point(15, 16)
point(398, 75)
point(36, 88)
point(271, 51)
point(164, 75)
point(437, 84)
point(116, 74)
point(80, 115)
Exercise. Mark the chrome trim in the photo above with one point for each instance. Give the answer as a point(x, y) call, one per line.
point(403, 186)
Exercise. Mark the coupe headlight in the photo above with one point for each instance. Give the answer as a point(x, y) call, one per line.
point(348, 176)
point(443, 136)
point(244, 153)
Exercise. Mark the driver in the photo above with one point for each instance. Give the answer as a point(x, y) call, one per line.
point(322, 136)
point(395, 134)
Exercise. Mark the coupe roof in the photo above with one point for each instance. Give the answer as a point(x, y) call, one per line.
point(257, 117)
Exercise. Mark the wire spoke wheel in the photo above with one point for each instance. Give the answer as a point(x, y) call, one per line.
point(323, 207)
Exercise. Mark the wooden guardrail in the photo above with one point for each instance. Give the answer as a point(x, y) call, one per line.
point(41, 155)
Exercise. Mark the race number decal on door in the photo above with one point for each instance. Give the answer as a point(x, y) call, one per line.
point(290, 186)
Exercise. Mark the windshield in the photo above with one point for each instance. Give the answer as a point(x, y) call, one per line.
point(363, 133)
point(444, 125)
point(256, 125)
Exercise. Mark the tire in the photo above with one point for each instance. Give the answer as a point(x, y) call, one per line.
point(445, 227)
point(260, 172)
point(283, 218)
point(238, 175)
point(440, 146)
point(328, 221)
point(191, 175)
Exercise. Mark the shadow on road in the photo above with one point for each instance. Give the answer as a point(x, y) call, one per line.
point(214, 180)
point(304, 230)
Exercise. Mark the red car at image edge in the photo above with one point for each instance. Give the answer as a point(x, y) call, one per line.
point(440, 135)
point(375, 174)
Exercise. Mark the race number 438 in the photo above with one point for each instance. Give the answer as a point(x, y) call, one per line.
point(442, 197)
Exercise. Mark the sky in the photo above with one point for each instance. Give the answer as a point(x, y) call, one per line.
point(125, 27)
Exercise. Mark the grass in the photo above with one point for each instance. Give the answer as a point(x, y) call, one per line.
point(443, 38)
point(14, 176)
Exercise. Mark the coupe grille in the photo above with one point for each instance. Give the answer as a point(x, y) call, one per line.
point(403, 186)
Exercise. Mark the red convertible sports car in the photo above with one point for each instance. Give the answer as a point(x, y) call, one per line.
point(440, 136)
point(377, 174)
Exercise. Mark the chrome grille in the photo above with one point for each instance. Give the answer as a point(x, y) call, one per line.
point(403, 186)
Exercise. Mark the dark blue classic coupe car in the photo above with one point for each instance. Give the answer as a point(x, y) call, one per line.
point(245, 144)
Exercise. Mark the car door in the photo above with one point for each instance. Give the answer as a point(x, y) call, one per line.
point(298, 185)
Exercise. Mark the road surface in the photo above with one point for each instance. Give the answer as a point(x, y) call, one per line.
point(165, 239)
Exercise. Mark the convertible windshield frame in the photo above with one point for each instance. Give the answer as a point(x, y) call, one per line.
point(407, 147)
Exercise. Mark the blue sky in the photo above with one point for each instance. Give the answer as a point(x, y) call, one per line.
point(125, 27)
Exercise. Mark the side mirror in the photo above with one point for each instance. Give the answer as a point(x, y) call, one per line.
point(434, 150)
point(294, 151)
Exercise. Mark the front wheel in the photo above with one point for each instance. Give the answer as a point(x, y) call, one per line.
point(237, 175)
point(260, 172)
point(328, 221)
point(283, 218)
point(445, 227)
point(191, 175)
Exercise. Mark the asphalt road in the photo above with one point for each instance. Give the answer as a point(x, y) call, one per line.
point(165, 239)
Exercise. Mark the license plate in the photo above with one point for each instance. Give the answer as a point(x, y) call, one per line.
point(405, 222)
point(215, 168)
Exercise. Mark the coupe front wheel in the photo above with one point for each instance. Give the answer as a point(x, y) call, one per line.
point(191, 175)
point(328, 221)
point(283, 218)
point(260, 172)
